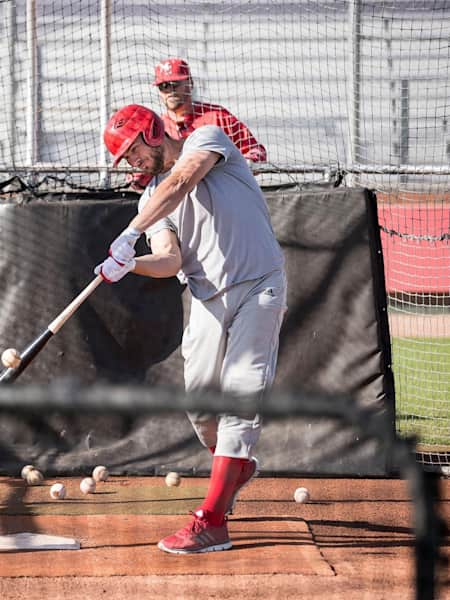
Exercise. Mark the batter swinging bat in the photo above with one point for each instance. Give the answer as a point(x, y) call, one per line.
point(37, 344)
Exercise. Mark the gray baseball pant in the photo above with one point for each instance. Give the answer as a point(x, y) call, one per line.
point(231, 343)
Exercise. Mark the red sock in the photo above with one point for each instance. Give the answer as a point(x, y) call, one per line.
point(212, 449)
point(224, 475)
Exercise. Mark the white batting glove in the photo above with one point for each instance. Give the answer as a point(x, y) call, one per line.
point(122, 248)
point(112, 271)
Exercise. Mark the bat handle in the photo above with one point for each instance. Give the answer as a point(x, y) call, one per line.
point(59, 321)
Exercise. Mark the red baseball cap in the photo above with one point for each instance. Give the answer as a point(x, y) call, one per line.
point(171, 69)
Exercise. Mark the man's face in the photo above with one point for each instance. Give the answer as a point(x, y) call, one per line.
point(175, 93)
point(146, 158)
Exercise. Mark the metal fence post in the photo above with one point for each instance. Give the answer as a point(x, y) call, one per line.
point(105, 89)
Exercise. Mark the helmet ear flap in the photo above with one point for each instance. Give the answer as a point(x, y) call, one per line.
point(154, 132)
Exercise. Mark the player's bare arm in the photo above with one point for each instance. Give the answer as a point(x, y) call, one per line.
point(171, 191)
point(165, 260)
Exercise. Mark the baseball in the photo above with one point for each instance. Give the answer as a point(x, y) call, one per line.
point(11, 358)
point(100, 473)
point(173, 479)
point(58, 491)
point(34, 477)
point(301, 494)
point(26, 469)
point(88, 485)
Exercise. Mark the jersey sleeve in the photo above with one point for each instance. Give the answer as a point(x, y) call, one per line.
point(211, 138)
point(165, 223)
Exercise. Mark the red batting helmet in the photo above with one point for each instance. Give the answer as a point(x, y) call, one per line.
point(126, 124)
point(171, 69)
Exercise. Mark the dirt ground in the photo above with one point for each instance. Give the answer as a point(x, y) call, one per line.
point(353, 540)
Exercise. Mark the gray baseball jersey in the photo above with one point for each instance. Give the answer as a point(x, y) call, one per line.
point(223, 225)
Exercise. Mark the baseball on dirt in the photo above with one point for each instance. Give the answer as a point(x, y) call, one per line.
point(100, 473)
point(173, 479)
point(11, 358)
point(25, 470)
point(301, 494)
point(34, 477)
point(58, 491)
point(88, 485)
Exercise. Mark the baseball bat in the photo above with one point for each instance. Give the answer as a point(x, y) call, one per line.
point(41, 340)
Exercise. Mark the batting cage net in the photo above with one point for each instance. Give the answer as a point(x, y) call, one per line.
point(347, 88)
point(350, 93)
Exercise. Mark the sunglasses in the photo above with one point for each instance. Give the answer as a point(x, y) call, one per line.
point(169, 85)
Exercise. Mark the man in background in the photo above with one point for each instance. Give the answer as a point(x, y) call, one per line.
point(175, 84)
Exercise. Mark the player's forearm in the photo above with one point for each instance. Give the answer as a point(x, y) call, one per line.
point(164, 200)
point(155, 265)
point(171, 191)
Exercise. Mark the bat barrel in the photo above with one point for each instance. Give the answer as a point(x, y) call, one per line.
point(10, 375)
point(37, 344)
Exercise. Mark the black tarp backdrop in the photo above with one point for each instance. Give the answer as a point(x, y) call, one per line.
point(334, 339)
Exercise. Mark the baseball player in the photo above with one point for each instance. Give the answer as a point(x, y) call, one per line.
point(205, 219)
point(175, 84)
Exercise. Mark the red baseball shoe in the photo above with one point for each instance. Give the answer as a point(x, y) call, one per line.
point(249, 472)
point(198, 536)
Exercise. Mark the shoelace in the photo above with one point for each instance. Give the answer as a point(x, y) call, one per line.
point(197, 524)
point(194, 527)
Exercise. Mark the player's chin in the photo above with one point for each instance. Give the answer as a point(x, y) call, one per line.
point(174, 103)
point(145, 171)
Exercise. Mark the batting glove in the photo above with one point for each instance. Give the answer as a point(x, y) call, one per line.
point(112, 271)
point(122, 248)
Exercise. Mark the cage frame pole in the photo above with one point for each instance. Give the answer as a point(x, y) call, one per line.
point(105, 89)
point(355, 88)
point(11, 27)
point(32, 139)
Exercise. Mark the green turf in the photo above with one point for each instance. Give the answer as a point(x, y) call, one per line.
point(110, 498)
point(422, 388)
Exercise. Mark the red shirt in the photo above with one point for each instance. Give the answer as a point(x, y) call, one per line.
point(207, 114)
point(213, 114)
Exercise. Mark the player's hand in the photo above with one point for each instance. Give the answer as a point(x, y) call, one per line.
point(138, 181)
point(122, 248)
point(112, 271)
point(255, 156)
